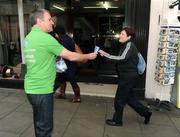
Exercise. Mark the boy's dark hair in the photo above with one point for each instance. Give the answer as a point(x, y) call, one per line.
point(129, 31)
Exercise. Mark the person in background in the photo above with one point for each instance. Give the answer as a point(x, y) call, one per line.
point(40, 50)
point(127, 61)
point(70, 73)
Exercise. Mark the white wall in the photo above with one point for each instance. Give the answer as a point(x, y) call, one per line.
point(159, 14)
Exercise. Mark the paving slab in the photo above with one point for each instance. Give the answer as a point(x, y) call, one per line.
point(85, 119)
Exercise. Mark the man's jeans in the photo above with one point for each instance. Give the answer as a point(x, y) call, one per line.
point(42, 105)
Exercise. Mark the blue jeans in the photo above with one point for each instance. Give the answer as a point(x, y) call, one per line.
point(42, 105)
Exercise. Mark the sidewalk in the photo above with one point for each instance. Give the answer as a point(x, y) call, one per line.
point(85, 119)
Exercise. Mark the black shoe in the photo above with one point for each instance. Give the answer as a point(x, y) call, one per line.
point(147, 118)
point(110, 122)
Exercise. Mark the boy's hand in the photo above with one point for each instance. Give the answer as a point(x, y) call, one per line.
point(101, 52)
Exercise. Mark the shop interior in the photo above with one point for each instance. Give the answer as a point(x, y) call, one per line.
point(92, 22)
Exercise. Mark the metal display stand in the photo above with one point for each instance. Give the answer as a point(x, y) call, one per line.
point(167, 55)
point(166, 61)
point(175, 94)
point(161, 104)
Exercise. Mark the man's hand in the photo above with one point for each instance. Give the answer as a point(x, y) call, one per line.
point(92, 56)
point(74, 56)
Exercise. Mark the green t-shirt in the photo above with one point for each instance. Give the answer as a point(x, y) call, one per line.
point(40, 50)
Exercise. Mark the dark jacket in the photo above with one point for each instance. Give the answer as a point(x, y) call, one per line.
point(127, 59)
point(69, 44)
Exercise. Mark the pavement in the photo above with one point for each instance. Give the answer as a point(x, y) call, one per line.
point(85, 119)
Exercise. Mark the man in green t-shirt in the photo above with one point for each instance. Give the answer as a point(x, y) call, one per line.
point(40, 50)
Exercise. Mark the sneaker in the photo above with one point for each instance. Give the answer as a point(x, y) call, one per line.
point(147, 118)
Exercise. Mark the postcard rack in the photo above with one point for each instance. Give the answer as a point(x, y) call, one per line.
point(167, 55)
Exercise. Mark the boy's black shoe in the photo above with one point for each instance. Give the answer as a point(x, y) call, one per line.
point(147, 118)
point(110, 122)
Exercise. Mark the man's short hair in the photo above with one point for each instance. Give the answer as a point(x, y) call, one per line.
point(37, 13)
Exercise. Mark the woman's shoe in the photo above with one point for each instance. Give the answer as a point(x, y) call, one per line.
point(60, 95)
point(111, 122)
point(76, 100)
